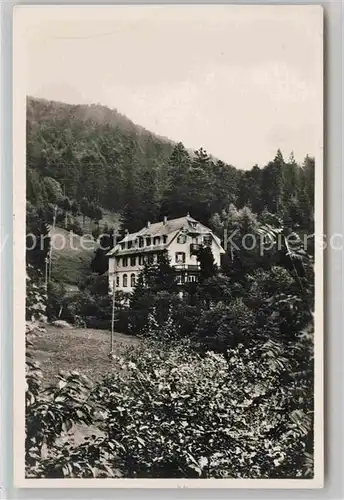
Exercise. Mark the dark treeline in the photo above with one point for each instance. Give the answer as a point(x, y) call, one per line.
point(91, 157)
point(95, 154)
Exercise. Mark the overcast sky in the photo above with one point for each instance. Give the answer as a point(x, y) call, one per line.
point(240, 81)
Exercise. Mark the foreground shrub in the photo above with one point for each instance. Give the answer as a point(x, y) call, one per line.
point(169, 412)
point(225, 326)
point(172, 413)
point(50, 412)
point(36, 296)
point(85, 305)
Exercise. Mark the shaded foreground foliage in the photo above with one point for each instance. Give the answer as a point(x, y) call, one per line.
point(166, 411)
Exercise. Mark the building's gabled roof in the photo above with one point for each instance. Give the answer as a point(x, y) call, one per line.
point(169, 228)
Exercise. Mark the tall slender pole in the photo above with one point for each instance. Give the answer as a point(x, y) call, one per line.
point(46, 273)
point(113, 313)
point(51, 247)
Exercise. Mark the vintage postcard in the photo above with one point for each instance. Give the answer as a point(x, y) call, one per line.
point(168, 166)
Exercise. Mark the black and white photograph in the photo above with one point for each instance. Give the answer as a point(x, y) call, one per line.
point(168, 213)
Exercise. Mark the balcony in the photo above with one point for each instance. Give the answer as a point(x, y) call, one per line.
point(186, 267)
point(194, 248)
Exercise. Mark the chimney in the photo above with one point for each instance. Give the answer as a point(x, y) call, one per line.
point(165, 220)
point(148, 224)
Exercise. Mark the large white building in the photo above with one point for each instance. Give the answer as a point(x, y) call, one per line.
point(180, 238)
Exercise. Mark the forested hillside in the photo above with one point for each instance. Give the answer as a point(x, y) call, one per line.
point(90, 158)
point(93, 152)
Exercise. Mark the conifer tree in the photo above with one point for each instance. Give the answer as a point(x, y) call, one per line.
point(208, 267)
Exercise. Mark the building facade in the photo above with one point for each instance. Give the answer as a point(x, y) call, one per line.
point(181, 238)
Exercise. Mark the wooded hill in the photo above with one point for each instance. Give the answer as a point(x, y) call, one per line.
point(90, 157)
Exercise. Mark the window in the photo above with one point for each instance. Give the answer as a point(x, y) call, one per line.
point(207, 240)
point(132, 280)
point(125, 280)
point(141, 260)
point(141, 242)
point(118, 260)
point(122, 246)
point(133, 261)
point(181, 239)
point(194, 240)
point(130, 244)
point(148, 241)
point(151, 259)
point(164, 239)
point(156, 240)
point(180, 257)
point(193, 224)
point(125, 261)
point(117, 280)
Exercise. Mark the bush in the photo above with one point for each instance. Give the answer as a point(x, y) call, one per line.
point(83, 305)
point(168, 412)
point(75, 227)
point(56, 300)
point(97, 323)
point(96, 285)
point(50, 412)
point(36, 298)
point(172, 413)
point(280, 306)
point(141, 305)
point(225, 326)
point(187, 317)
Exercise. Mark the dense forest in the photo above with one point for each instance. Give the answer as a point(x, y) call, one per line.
point(220, 383)
point(89, 157)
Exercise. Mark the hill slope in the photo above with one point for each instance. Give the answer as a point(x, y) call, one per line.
point(71, 259)
point(92, 151)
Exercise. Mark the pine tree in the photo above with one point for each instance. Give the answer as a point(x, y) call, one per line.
point(176, 199)
point(224, 185)
point(100, 261)
point(84, 208)
point(160, 276)
point(37, 238)
point(272, 183)
point(156, 288)
point(208, 267)
point(140, 307)
point(66, 206)
point(75, 208)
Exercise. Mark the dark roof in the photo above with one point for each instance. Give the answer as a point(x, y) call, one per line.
point(169, 228)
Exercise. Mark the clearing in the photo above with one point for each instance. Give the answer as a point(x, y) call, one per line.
point(71, 259)
point(81, 349)
point(72, 254)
